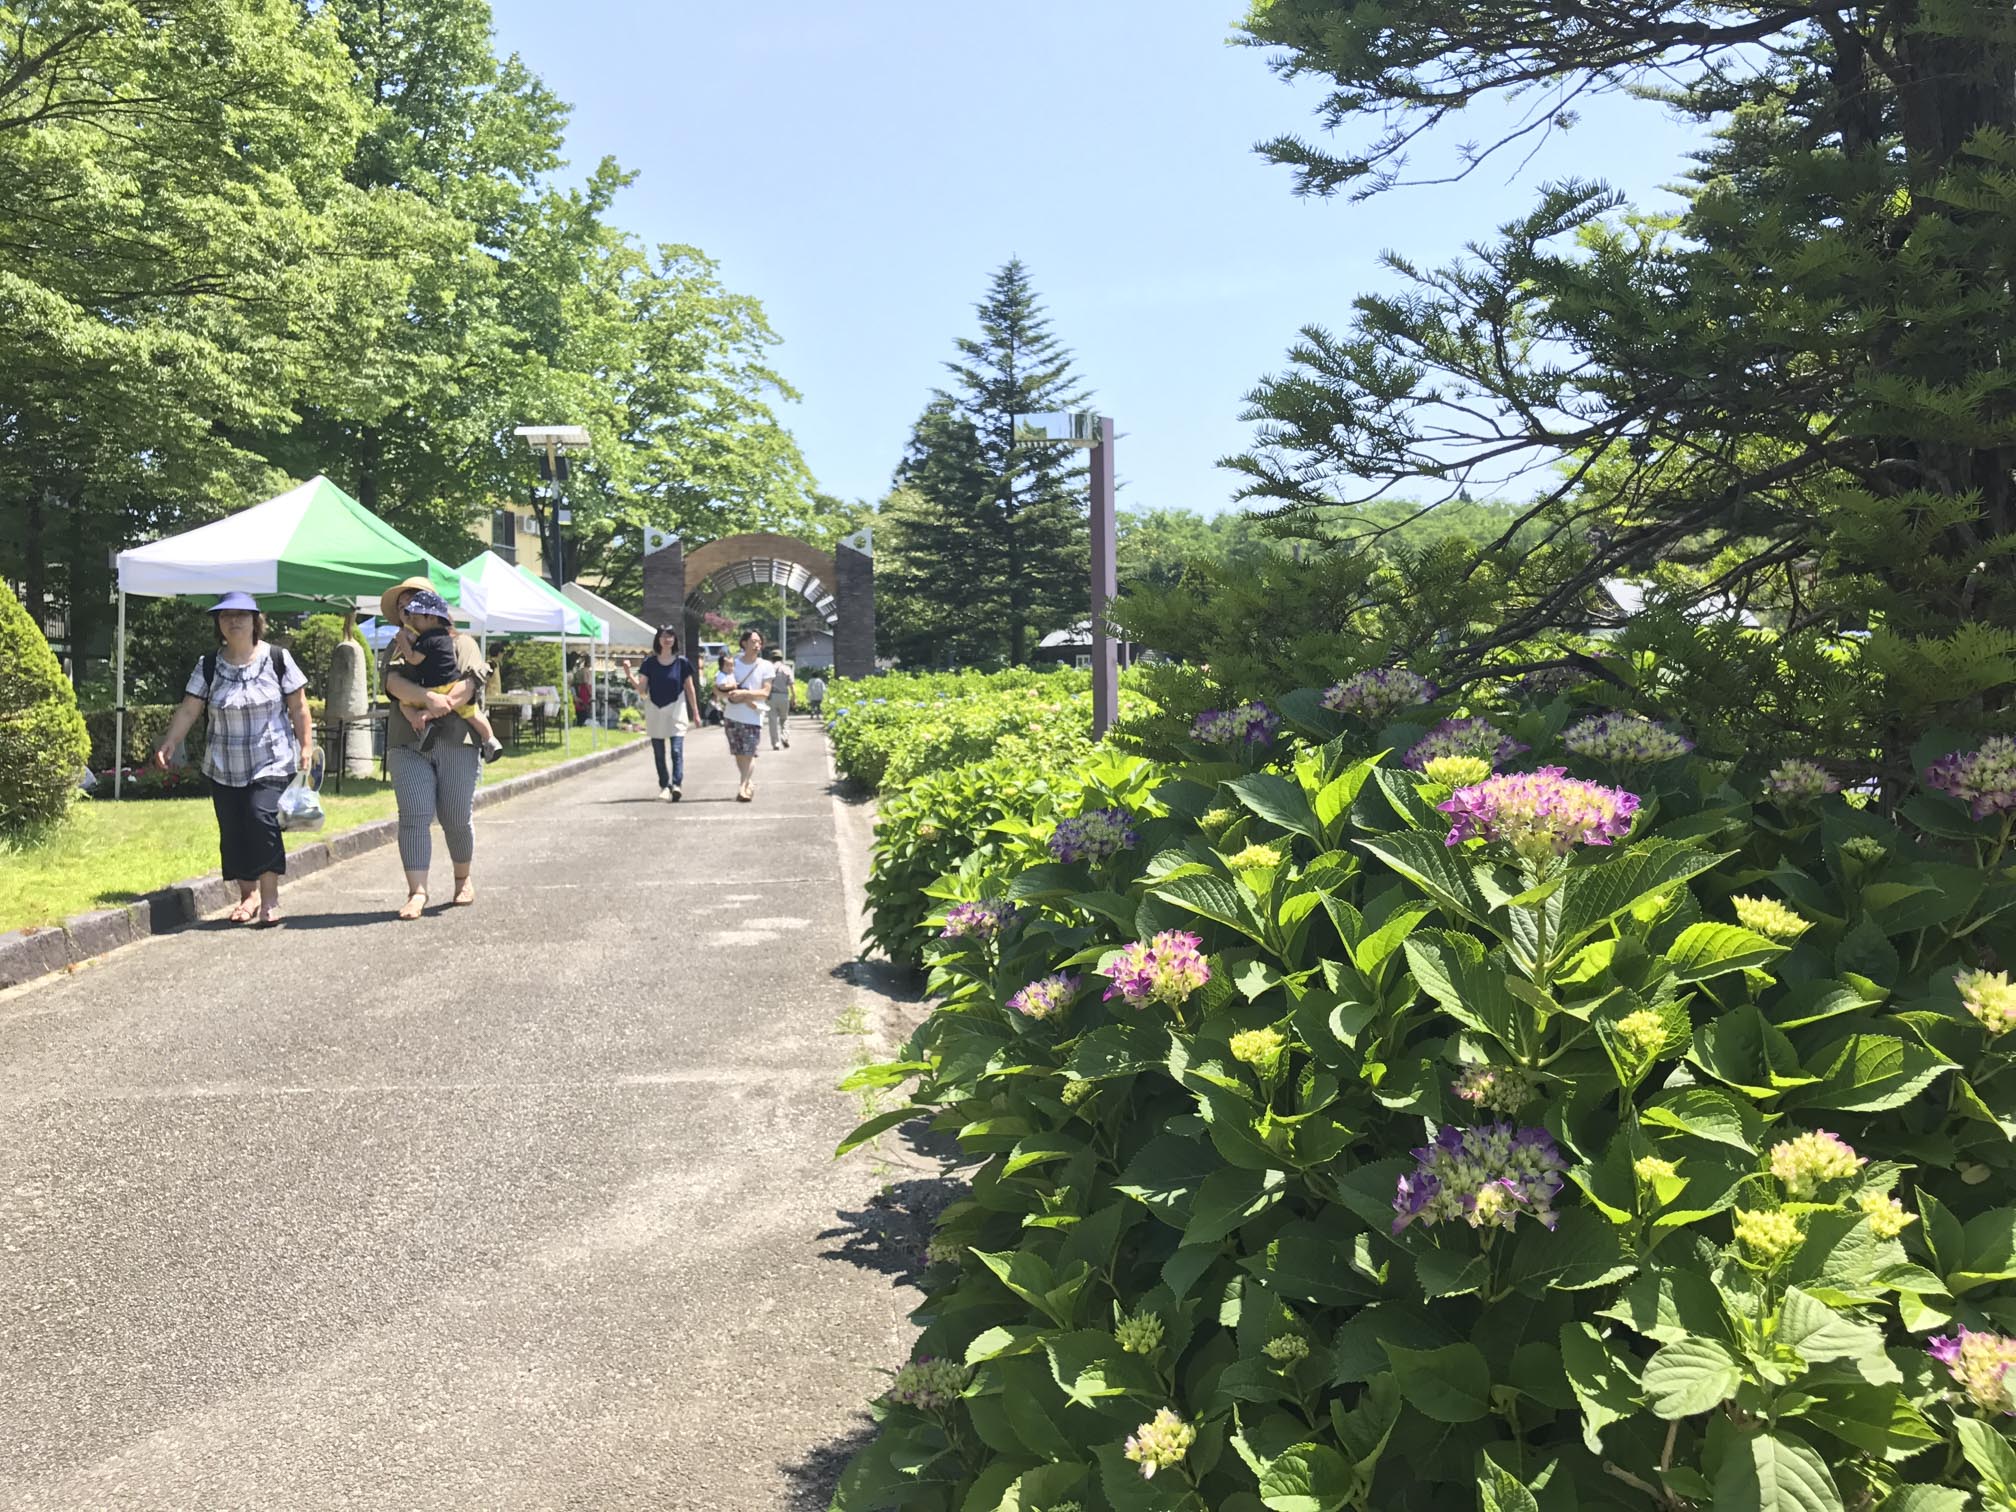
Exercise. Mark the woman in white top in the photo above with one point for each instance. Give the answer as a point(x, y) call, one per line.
point(743, 690)
point(257, 737)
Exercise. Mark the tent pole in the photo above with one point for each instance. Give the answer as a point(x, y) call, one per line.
point(566, 701)
point(119, 707)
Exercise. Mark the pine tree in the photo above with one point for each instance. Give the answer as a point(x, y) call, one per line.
point(987, 551)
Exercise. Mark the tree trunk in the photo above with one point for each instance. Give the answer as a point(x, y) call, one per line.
point(35, 571)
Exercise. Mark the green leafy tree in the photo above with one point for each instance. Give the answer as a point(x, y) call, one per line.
point(1794, 397)
point(985, 551)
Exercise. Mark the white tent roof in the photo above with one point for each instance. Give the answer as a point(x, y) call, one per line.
point(504, 599)
point(626, 631)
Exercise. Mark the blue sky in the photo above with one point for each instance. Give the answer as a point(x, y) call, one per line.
point(864, 166)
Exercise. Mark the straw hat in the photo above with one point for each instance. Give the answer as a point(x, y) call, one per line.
point(388, 601)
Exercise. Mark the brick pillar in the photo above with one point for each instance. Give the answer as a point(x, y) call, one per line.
point(854, 635)
point(665, 582)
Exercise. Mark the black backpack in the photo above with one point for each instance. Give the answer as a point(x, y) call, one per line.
point(276, 658)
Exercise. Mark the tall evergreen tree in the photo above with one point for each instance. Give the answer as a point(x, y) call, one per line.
point(984, 547)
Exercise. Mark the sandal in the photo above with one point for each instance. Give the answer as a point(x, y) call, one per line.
point(465, 893)
point(414, 906)
point(269, 917)
point(244, 911)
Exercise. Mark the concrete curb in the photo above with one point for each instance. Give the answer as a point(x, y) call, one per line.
point(29, 953)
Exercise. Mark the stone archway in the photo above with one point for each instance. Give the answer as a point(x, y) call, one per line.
point(680, 586)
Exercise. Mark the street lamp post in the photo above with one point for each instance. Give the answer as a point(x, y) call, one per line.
point(1097, 434)
point(551, 443)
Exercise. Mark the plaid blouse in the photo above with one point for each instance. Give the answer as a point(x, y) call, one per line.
point(250, 736)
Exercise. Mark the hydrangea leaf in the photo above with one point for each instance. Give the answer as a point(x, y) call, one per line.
point(1819, 1334)
point(1308, 1478)
point(1582, 1251)
point(1710, 950)
point(1689, 1376)
point(1605, 1383)
point(1871, 1073)
point(1707, 1113)
point(1280, 802)
point(1775, 1471)
point(1451, 1384)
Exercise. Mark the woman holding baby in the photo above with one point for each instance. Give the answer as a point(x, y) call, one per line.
point(432, 754)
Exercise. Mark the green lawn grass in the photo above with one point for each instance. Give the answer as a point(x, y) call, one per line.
point(107, 853)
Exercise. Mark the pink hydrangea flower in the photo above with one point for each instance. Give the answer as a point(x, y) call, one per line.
point(1166, 969)
point(1540, 814)
point(1379, 693)
point(1984, 780)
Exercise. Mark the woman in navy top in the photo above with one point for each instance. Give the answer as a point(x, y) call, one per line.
point(671, 706)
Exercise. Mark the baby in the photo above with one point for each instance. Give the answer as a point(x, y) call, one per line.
point(428, 647)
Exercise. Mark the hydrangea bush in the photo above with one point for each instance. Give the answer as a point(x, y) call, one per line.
point(1351, 1141)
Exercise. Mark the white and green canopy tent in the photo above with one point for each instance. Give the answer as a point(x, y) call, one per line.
point(504, 599)
point(311, 547)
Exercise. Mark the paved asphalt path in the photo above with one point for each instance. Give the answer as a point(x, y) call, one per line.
point(525, 1205)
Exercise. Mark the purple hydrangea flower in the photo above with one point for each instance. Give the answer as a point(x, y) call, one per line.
point(1250, 724)
point(1046, 998)
point(1984, 780)
point(1379, 693)
point(1625, 740)
point(928, 1384)
point(978, 921)
point(1166, 969)
point(1464, 737)
point(1540, 814)
point(1486, 1176)
point(1979, 1364)
point(1094, 836)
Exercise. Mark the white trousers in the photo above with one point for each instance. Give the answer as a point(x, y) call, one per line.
point(773, 716)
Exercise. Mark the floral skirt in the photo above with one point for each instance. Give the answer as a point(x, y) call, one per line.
point(743, 739)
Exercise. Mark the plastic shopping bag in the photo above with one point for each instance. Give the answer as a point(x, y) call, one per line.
point(300, 806)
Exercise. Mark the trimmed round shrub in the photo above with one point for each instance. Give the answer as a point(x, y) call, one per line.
point(42, 743)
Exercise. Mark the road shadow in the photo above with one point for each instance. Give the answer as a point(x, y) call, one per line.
point(812, 1479)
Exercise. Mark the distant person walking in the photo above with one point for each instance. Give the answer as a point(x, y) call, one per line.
point(715, 705)
point(815, 694)
point(779, 708)
point(672, 706)
point(257, 737)
point(743, 689)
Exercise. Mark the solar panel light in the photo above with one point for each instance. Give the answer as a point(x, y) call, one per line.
point(1058, 428)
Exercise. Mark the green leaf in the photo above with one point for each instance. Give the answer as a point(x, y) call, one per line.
point(1598, 893)
point(1089, 1365)
point(1690, 1376)
point(1668, 1305)
point(1451, 1384)
point(1307, 1478)
point(1867, 951)
point(1214, 897)
point(1498, 1490)
point(1605, 1383)
point(1582, 1251)
point(1775, 1472)
point(876, 1125)
point(1925, 1499)
point(1988, 1451)
point(1279, 801)
point(1230, 1197)
point(1364, 1430)
point(1747, 1053)
point(1167, 1174)
point(1871, 1073)
point(1118, 1050)
point(1368, 953)
point(1707, 1113)
point(1711, 950)
point(1819, 1334)
point(1451, 968)
point(1430, 865)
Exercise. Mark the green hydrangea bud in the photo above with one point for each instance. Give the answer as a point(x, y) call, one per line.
point(1255, 858)
point(1457, 771)
point(1261, 1049)
point(1217, 821)
point(1770, 918)
point(1075, 1092)
point(1887, 1218)
point(1804, 1162)
point(1864, 848)
point(1650, 1168)
point(945, 1249)
point(1769, 1237)
point(1642, 1033)
point(1286, 1350)
point(1140, 1334)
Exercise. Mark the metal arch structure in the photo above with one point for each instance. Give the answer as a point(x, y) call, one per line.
point(681, 586)
point(743, 561)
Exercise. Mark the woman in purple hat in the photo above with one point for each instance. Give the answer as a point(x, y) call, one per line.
point(258, 735)
point(432, 758)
